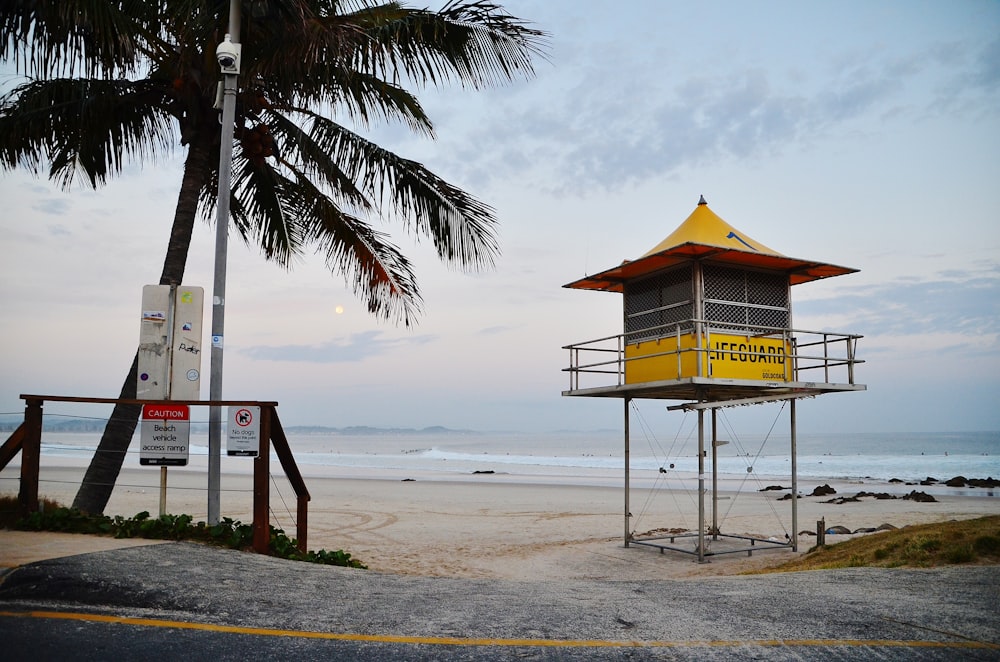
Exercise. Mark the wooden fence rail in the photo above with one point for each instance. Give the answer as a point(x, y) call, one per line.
point(27, 439)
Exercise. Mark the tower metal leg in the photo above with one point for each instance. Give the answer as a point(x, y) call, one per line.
point(627, 514)
point(795, 480)
point(701, 486)
point(715, 476)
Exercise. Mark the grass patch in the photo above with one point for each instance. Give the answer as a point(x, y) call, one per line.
point(974, 541)
point(230, 533)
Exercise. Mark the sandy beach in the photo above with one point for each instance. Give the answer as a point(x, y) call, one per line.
point(514, 527)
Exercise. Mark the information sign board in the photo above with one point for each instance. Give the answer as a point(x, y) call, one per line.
point(170, 343)
point(164, 435)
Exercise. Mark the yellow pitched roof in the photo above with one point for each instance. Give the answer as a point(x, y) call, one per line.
point(705, 236)
point(704, 227)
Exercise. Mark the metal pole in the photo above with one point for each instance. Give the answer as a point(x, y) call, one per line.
point(219, 291)
point(715, 477)
point(627, 513)
point(795, 481)
point(701, 486)
point(163, 491)
point(171, 312)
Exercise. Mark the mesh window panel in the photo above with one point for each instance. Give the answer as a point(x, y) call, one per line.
point(641, 327)
point(676, 286)
point(724, 316)
point(641, 299)
point(677, 291)
point(725, 284)
point(739, 296)
point(678, 314)
point(767, 289)
point(768, 317)
point(646, 301)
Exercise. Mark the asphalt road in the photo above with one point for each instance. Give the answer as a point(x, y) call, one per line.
point(183, 601)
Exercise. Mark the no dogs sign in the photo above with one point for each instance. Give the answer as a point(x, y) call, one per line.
point(243, 438)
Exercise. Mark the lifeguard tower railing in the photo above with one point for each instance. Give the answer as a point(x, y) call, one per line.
point(686, 356)
point(27, 439)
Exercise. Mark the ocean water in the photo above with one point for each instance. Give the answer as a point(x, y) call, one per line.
point(870, 458)
point(873, 457)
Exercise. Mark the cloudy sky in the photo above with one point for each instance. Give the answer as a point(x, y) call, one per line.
point(859, 133)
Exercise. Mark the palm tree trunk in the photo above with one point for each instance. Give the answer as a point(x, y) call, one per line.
point(102, 474)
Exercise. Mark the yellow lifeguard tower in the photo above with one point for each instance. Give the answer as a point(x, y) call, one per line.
point(708, 319)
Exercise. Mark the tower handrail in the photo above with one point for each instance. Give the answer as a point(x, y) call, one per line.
point(590, 356)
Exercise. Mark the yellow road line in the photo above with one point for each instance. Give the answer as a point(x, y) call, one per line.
point(462, 641)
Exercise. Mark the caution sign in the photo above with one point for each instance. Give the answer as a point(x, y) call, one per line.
point(243, 438)
point(165, 435)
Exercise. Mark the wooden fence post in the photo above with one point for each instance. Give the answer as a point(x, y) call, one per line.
point(31, 450)
point(261, 486)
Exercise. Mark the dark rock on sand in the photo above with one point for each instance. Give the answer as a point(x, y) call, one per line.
point(957, 481)
point(984, 482)
point(823, 490)
point(895, 480)
point(838, 529)
point(922, 497)
point(865, 529)
point(876, 495)
point(771, 488)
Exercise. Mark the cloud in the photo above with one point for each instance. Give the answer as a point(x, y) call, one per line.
point(606, 129)
point(962, 305)
point(356, 348)
point(986, 73)
point(51, 206)
point(494, 330)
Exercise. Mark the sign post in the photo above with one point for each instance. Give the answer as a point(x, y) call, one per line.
point(169, 360)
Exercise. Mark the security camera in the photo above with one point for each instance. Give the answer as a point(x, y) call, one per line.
point(228, 55)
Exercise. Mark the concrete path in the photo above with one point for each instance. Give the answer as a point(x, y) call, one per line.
point(22, 547)
point(190, 601)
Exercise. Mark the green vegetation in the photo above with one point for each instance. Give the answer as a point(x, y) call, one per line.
point(228, 533)
point(974, 541)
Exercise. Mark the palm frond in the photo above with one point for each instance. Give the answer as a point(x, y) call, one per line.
point(284, 216)
point(474, 43)
point(376, 270)
point(263, 211)
point(461, 227)
point(298, 148)
point(75, 37)
point(82, 127)
point(310, 63)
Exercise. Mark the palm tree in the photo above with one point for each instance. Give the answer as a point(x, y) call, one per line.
point(113, 81)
